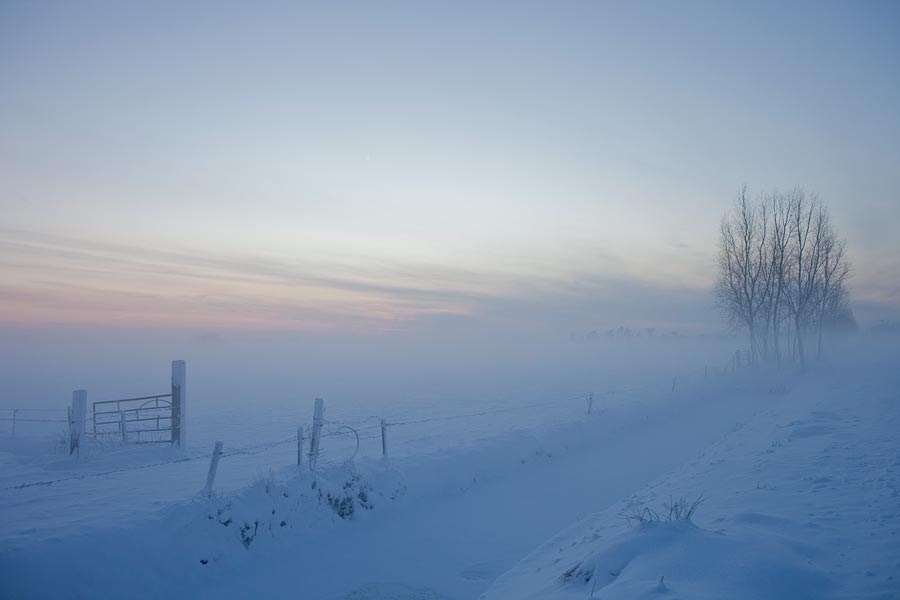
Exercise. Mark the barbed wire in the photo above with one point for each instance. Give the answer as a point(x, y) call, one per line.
point(257, 448)
point(263, 447)
point(352, 432)
point(340, 424)
point(246, 450)
point(357, 421)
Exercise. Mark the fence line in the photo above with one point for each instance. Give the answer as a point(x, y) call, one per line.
point(252, 449)
point(245, 450)
point(262, 447)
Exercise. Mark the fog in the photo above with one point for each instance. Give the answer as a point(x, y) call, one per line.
point(242, 369)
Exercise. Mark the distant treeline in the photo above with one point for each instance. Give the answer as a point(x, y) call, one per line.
point(648, 333)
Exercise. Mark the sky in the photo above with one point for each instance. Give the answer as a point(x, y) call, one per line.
point(436, 168)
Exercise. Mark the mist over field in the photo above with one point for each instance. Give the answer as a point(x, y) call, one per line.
point(255, 368)
point(449, 301)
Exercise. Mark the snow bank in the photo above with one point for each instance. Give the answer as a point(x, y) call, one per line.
point(802, 503)
point(682, 559)
point(801, 478)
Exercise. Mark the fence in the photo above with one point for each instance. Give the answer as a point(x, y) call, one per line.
point(158, 418)
point(315, 433)
point(368, 428)
point(140, 417)
point(12, 416)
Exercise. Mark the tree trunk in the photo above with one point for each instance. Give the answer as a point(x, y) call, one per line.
point(776, 344)
point(752, 345)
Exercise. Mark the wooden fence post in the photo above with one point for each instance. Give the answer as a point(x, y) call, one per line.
point(315, 437)
point(590, 400)
point(179, 403)
point(384, 438)
point(14, 412)
point(213, 467)
point(77, 418)
point(674, 379)
point(123, 427)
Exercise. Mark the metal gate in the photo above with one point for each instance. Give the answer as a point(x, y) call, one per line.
point(157, 419)
point(143, 420)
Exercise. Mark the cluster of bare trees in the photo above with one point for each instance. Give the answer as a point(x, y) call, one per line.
point(782, 273)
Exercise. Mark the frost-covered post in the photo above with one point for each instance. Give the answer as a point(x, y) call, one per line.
point(318, 420)
point(674, 379)
point(15, 411)
point(300, 446)
point(123, 427)
point(77, 416)
point(590, 400)
point(213, 467)
point(179, 403)
point(384, 438)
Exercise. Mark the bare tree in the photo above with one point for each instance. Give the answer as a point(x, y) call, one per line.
point(779, 238)
point(806, 235)
point(831, 295)
point(743, 285)
point(782, 272)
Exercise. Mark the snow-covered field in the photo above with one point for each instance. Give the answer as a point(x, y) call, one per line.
point(801, 500)
point(800, 474)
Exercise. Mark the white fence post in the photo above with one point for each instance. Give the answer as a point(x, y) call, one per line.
point(590, 400)
point(77, 417)
point(300, 446)
point(213, 467)
point(318, 419)
point(179, 403)
point(384, 438)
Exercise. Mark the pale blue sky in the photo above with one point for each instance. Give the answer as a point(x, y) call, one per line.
point(378, 166)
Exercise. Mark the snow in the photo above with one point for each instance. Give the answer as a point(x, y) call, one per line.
point(801, 475)
point(698, 564)
point(803, 501)
point(143, 479)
